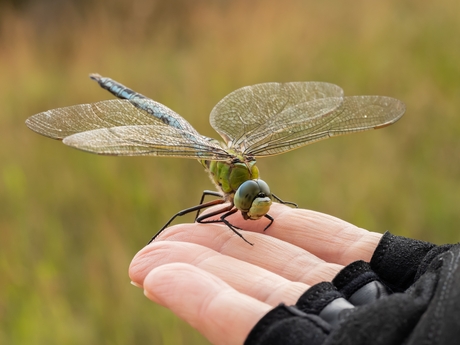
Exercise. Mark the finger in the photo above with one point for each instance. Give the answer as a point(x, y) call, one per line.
point(272, 254)
point(216, 310)
point(325, 236)
point(244, 277)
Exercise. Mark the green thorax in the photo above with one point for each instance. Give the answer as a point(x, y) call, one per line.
point(229, 175)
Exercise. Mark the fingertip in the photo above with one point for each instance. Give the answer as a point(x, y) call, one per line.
point(151, 296)
point(137, 267)
point(204, 301)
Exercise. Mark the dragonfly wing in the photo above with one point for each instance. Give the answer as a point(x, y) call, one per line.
point(147, 140)
point(116, 127)
point(272, 118)
point(62, 122)
point(251, 111)
point(356, 113)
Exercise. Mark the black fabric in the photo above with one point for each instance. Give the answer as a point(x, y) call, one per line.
point(288, 325)
point(408, 294)
point(359, 284)
point(317, 297)
point(397, 260)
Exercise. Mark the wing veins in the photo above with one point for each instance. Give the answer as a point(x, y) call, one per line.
point(122, 140)
point(388, 111)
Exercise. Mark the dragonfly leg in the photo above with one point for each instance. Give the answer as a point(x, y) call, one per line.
point(205, 193)
point(186, 211)
point(231, 210)
point(233, 227)
point(285, 202)
point(204, 218)
point(271, 221)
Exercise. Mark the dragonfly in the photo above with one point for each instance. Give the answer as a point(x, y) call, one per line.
point(254, 121)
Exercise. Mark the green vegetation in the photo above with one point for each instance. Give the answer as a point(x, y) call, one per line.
point(70, 222)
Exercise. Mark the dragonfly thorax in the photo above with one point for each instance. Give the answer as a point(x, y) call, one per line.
point(229, 175)
point(239, 182)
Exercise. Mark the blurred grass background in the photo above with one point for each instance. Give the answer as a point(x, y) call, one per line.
point(70, 222)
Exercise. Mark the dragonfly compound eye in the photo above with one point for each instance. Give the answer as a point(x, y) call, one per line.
point(253, 199)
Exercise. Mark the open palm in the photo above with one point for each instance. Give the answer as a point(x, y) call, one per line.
point(222, 286)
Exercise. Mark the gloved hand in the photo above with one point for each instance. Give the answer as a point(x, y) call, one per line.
point(408, 294)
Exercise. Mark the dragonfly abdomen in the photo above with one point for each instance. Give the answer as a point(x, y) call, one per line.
point(153, 108)
point(116, 88)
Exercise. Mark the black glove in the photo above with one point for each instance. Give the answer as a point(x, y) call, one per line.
point(408, 294)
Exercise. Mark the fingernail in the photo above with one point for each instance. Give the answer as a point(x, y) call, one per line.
point(136, 284)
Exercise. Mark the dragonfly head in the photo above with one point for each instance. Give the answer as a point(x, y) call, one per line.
point(253, 199)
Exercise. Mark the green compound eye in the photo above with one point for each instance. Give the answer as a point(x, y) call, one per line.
point(248, 192)
point(264, 189)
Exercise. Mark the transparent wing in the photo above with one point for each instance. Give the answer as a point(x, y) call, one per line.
point(357, 113)
point(269, 119)
point(62, 122)
point(147, 140)
point(116, 127)
point(247, 115)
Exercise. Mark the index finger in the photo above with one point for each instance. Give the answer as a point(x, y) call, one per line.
point(328, 238)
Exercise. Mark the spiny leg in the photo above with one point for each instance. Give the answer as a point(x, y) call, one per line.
point(186, 211)
point(205, 193)
point(204, 218)
point(231, 210)
point(284, 202)
point(271, 221)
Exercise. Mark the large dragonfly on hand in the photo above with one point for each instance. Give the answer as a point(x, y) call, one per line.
point(254, 121)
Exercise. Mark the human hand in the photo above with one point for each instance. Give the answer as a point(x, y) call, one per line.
point(222, 286)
